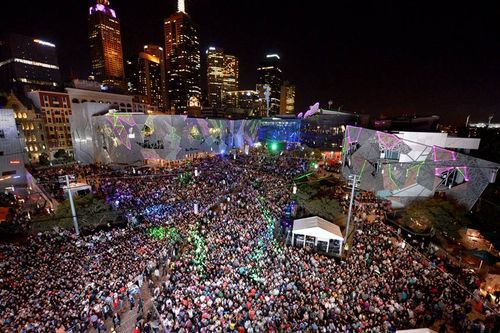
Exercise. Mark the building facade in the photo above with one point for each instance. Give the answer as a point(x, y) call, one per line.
point(106, 46)
point(231, 73)
point(151, 76)
point(55, 109)
point(325, 129)
point(122, 138)
point(269, 73)
point(117, 102)
point(30, 126)
point(27, 64)
point(287, 99)
point(182, 59)
point(12, 152)
point(404, 166)
point(215, 76)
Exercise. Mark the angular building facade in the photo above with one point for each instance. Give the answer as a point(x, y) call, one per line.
point(12, 152)
point(27, 64)
point(182, 59)
point(269, 73)
point(405, 166)
point(132, 138)
point(106, 51)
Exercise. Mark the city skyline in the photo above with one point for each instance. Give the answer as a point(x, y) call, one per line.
point(386, 58)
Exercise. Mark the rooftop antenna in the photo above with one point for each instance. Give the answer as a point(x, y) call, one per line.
point(181, 7)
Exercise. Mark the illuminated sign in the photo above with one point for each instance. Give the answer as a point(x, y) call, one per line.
point(15, 162)
point(273, 56)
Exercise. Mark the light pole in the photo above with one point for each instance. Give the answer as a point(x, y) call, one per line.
point(72, 204)
point(353, 181)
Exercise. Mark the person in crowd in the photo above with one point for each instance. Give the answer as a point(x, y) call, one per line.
point(229, 273)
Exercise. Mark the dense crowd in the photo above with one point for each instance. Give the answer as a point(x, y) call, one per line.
point(229, 273)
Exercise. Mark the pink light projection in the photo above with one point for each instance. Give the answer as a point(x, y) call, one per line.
point(462, 169)
point(119, 123)
point(103, 9)
point(387, 140)
point(438, 171)
point(441, 154)
point(349, 130)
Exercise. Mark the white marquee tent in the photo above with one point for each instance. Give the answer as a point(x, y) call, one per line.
point(320, 229)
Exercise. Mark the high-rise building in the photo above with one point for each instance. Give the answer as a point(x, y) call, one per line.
point(231, 73)
point(151, 75)
point(28, 63)
point(106, 46)
point(159, 53)
point(269, 73)
point(132, 75)
point(182, 59)
point(215, 76)
point(222, 77)
point(287, 98)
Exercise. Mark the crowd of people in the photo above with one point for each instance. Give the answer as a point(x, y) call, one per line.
point(229, 273)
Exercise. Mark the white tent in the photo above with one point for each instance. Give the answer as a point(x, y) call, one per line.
point(320, 229)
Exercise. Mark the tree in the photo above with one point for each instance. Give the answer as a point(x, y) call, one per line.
point(43, 159)
point(61, 154)
point(91, 212)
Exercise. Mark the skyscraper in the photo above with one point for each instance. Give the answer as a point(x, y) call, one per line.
point(231, 73)
point(287, 99)
point(222, 77)
point(269, 73)
point(182, 58)
point(215, 76)
point(106, 46)
point(28, 63)
point(150, 74)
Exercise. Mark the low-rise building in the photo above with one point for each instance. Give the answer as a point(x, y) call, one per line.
point(12, 152)
point(55, 109)
point(30, 125)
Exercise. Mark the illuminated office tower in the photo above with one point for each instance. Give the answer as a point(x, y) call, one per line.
point(151, 76)
point(287, 99)
point(231, 73)
point(106, 46)
point(27, 64)
point(215, 76)
point(182, 59)
point(269, 73)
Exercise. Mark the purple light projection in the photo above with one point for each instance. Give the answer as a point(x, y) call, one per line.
point(462, 169)
point(439, 170)
point(387, 140)
point(350, 139)
point(438, 152)
point(103, 9)
point(119, 122)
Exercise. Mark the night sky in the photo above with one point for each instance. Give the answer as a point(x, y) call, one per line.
point(388, 57)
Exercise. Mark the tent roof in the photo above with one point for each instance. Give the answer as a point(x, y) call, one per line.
point(317, 227)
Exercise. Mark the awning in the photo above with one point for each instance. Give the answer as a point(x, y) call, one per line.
point(317, 227)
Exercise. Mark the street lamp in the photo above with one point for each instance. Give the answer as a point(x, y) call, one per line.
point(294, 189)
point(353, 182)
